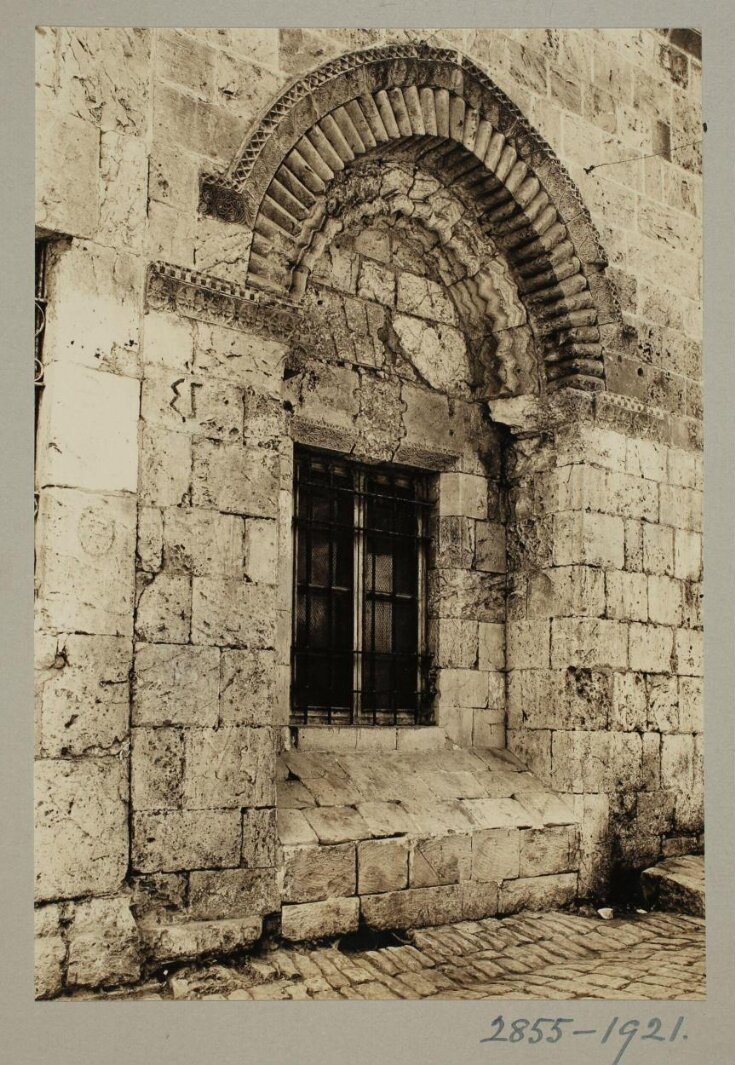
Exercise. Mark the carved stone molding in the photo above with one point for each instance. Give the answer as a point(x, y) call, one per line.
point(442, 107)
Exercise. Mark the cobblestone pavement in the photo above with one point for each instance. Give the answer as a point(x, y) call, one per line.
point(529, 955)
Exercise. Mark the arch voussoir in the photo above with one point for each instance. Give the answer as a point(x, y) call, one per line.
point(439, 109)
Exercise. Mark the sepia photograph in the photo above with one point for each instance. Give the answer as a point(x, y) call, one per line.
point(368, 516)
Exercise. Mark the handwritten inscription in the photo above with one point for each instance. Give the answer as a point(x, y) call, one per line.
point(554, 1029)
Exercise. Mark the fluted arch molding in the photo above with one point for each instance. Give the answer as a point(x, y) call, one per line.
point(440, 106)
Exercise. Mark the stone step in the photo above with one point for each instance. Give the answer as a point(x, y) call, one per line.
point(676, 884)
point(418, 838)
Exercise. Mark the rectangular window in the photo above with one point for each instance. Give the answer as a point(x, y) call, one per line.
point(360, 593)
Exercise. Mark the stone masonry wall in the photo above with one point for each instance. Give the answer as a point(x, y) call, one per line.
point(164, 480)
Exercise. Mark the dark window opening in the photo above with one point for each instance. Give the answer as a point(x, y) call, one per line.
point(359, 641)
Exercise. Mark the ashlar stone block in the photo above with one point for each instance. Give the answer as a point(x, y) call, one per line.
point(233, 613)
point(175, 685)
point(442, 860)
point(220, 894)
point(85, 568)
point(81, 831)
point(233, 479)
point(88, 430)
point(582, 538)
point(548, 850)
point(82, 695)
point(156, 768)
point(651, 647)
point(170, 840)
point(67, 176)
point(203, 543)
point(104, 946)
point(312, 874)
point(382, 865)
point(229, 767)
point(312, 920)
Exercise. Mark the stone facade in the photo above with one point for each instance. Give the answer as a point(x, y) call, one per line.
point(452, 251)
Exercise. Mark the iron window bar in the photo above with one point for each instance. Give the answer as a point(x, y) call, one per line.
point(359, 640)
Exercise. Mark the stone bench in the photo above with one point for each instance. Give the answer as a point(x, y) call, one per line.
point(399, 839)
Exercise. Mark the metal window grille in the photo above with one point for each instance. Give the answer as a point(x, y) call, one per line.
point(38, 369)
point(359, 642)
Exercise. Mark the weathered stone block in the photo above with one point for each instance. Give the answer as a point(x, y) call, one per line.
point(442, 860)
point(163, 613)
point(124, 186)
point(413, 908)
point(591, 642)
point(313, 920)
point(81, 831)
point(175, 685)
point(88, 430)
point(253, 689)
point(578, 591)
point(548, 850)
point(681, 507)
point(533, 748)
point(463, 688)
point(592, 812)
point(586, 443)
point(495, 854)
point(230, 612)
point(580, 761)
point(588, 539)
point(49, 956)
point(188, 404)
point(193, 939)
point(259, 837)
point(382, 865)
point(628, 711)
point(658, 549)
point(528, 644)
point(67, 174)
point(225, 893)
point(164, 466)
point(186, 839)
point(104, 948)
point(537, 892)
point(149, 548)
point(458, 593)
point(691, 706)
point(85, 564)
point(203, 543)
point(82, 694)
point(456, 643)
point(156, 768)
point(646, 458)
point(424, 298)
point(376, 283)
point(490, 554)
point(663, 703)
point(261, 550)
point(315, 873)
point(462, 494)
point(650, 648)
point(231, 766)
point(626, 595)
point(93, 314)
point(243, 359)
point(337, 824)
point(491, 646)
point(687, 555)
point(665, 600)
point(230, 478)
point(690, 652)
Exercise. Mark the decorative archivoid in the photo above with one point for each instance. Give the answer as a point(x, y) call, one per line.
point(438, 108)
point(419, 211)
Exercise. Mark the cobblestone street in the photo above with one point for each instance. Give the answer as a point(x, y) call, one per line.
point(530, 955)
